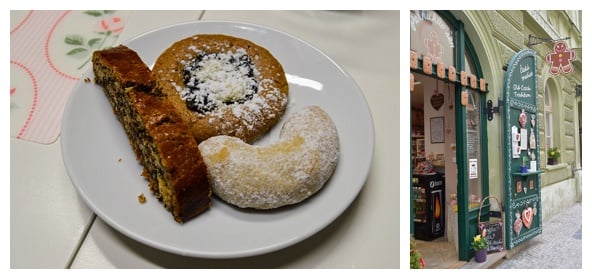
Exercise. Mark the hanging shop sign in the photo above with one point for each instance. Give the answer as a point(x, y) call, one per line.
point(522, 190)
point(560, 59)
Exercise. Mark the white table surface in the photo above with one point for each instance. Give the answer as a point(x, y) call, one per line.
point(51, 227)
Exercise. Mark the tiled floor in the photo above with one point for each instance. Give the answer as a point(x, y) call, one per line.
point(439, 254)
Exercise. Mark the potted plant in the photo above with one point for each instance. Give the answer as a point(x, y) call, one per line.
point(480, 246)
point(416, 260)
point(523, 167)
point(553, 155)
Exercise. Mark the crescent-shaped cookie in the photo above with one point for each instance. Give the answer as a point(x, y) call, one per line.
point(283, 173)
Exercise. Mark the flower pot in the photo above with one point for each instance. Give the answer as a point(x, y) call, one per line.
point(523, 169)
point(552, 161)
point(481, 256)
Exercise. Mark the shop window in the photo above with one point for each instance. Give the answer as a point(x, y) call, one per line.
point(473, 124)
point(432, 36)
point(549, 120)
point(474, 149)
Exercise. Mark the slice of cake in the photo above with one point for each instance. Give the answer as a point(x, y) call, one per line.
point(161, 140)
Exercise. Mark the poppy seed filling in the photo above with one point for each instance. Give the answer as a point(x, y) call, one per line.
point(216, 79)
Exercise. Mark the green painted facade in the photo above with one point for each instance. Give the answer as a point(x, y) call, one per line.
point(497, 36)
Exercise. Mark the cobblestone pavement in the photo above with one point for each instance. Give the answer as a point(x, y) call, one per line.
point(558, 247)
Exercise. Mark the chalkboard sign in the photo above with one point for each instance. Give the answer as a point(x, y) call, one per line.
point(495, 235)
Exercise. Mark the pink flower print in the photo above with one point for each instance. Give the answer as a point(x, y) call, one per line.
point(108, 26)
point(113, 24)
point(12, 104)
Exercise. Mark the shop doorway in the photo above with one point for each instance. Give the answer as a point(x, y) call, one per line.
point(434, 174)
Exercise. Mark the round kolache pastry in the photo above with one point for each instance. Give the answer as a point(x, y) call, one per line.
point(283, 173)
point(223, 85)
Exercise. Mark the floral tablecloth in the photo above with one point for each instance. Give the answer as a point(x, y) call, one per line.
point(49, 50)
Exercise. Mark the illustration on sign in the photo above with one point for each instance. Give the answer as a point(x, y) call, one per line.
point(560, 59)
point(515, 142)
point(518, 224)
point(523, 139)
point(522, 119)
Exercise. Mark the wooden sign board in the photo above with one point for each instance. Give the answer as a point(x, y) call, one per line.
point(522, 191)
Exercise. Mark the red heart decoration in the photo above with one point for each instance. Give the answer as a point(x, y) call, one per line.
point(527, 215)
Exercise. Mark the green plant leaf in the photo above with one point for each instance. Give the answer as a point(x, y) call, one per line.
point(77, 50)
point(94, 13)
point(76, 40)
point(108, 12)
point(94, 43)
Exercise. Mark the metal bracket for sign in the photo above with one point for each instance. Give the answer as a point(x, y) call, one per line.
point(490, 109)
point(533, 40)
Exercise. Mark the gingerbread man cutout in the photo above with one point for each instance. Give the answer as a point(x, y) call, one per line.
point(560, 58)
point(433, 46)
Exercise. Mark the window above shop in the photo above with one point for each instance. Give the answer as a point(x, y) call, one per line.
point(432, 35)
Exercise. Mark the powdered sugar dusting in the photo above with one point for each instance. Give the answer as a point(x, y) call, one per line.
point(283, 173)
point(227, 83)
point(215, 79)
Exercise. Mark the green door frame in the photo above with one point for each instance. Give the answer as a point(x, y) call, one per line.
point(467, 218)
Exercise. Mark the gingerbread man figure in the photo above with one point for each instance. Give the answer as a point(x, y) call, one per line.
point(560, 58)
point(433, 46)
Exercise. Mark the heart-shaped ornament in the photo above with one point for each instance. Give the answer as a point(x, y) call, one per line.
point(527, 215)
point(437, 100)
point(522, 119)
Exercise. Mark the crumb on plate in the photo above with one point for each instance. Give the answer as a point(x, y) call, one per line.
point(142, 198)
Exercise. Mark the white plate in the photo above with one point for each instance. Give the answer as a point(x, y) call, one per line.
point(103, 168)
